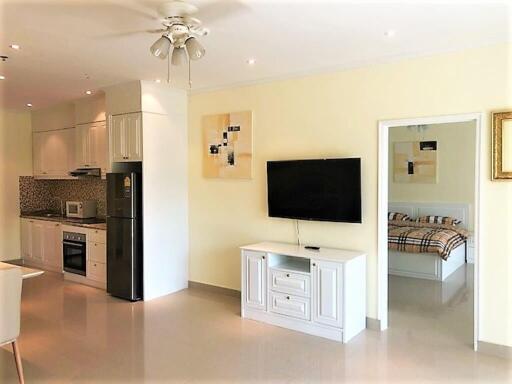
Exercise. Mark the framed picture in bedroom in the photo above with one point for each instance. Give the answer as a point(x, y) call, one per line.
point(227, 145)
point(415, 162)
point(502, 145)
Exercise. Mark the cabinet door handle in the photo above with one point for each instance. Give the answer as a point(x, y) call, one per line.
point(287, 297)
point(287, 275)
point(314, 264)
point(263, 257)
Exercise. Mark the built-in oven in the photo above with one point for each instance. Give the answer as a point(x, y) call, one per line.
point(74, 252)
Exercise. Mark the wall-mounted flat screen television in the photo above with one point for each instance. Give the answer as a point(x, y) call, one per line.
point(323, 189)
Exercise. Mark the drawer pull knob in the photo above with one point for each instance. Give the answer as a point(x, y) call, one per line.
point(287, 297)
point(263, 257)
point(287, 275)
point(314, 265)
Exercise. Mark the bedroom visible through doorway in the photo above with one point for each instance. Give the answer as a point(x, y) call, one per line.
point(430, 225)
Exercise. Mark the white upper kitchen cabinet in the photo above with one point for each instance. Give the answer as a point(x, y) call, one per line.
point(125, 137)
point(53, 153)
point(91, 149)
point(90, 109)
point(60, 116)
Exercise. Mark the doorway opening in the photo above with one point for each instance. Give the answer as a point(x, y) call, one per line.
point(429, 173)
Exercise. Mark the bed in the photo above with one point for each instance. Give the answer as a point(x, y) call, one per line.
point(437, 264)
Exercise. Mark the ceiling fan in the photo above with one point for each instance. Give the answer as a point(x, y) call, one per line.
point(180, 32)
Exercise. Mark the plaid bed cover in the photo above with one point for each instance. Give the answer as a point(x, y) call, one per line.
point(415, 237)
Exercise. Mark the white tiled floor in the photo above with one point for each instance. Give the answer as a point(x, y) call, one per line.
point(72, 333)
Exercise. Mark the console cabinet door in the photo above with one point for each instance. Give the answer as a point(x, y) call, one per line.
point(327, 292)
point(255, 279)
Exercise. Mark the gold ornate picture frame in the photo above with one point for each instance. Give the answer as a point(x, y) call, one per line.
point(502, 145)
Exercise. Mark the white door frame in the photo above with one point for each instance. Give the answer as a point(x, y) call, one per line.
point(382, 257)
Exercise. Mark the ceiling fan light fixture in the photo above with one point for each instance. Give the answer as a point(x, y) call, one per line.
point(161, 47)
point(179, 56)
point(194, 49)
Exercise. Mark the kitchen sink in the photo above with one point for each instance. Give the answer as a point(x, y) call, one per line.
point(51, 215)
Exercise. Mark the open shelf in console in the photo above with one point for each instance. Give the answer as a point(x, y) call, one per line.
point(289, 263)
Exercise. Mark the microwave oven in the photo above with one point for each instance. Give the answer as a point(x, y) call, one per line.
point(81, 209)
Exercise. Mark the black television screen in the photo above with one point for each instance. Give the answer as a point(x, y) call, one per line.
point(324, 190)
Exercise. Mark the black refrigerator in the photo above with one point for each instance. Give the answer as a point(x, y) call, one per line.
point(124, 231)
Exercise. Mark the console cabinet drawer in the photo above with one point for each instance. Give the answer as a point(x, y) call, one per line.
point(288, 305)
point(289, 282)
point(97, 271)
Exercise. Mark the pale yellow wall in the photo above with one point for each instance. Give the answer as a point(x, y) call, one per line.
point(455, 161)
point(336, 115)
point(15, 161)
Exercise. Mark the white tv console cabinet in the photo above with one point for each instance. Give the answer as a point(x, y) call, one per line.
point(320, 292)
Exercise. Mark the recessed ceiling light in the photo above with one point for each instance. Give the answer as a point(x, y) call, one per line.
point(29, 105)
point(389, 33)
point(2, 77)
point(88, 92)
point(158, 81)
point(251, 61)
point(15, 46)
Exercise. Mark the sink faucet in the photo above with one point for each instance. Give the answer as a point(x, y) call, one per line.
point(61, 206)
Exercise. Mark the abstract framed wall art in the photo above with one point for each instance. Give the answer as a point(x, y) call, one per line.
point(415, 162)
point(227, 145)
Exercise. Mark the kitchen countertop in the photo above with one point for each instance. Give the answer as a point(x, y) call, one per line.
point(94, 223)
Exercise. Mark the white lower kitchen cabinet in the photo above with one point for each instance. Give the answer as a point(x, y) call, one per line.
point(41, 244)
point(96, 257)
point(320, 292)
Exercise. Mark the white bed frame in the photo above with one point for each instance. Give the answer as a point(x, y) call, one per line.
point(428, 265)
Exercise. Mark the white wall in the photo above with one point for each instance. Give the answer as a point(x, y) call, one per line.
point(455, 160)
point(15, 161)
point(336, 114)
point(165, 190)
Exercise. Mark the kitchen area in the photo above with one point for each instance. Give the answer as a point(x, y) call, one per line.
point(81, 210)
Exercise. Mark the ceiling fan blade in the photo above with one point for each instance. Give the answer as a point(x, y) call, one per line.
point(131, 33)
point(217, 10)
point(136, 7)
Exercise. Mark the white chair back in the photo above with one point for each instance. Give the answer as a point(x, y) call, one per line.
point(10, 300)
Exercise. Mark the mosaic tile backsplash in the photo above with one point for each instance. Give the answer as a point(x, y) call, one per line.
point(36, 195)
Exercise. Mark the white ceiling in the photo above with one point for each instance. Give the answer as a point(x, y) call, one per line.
point(62, 41)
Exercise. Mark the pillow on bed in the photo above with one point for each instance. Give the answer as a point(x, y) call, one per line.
point(397, 216)
point(432, 219)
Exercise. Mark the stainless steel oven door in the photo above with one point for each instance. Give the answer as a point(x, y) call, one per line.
point(74, 254)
